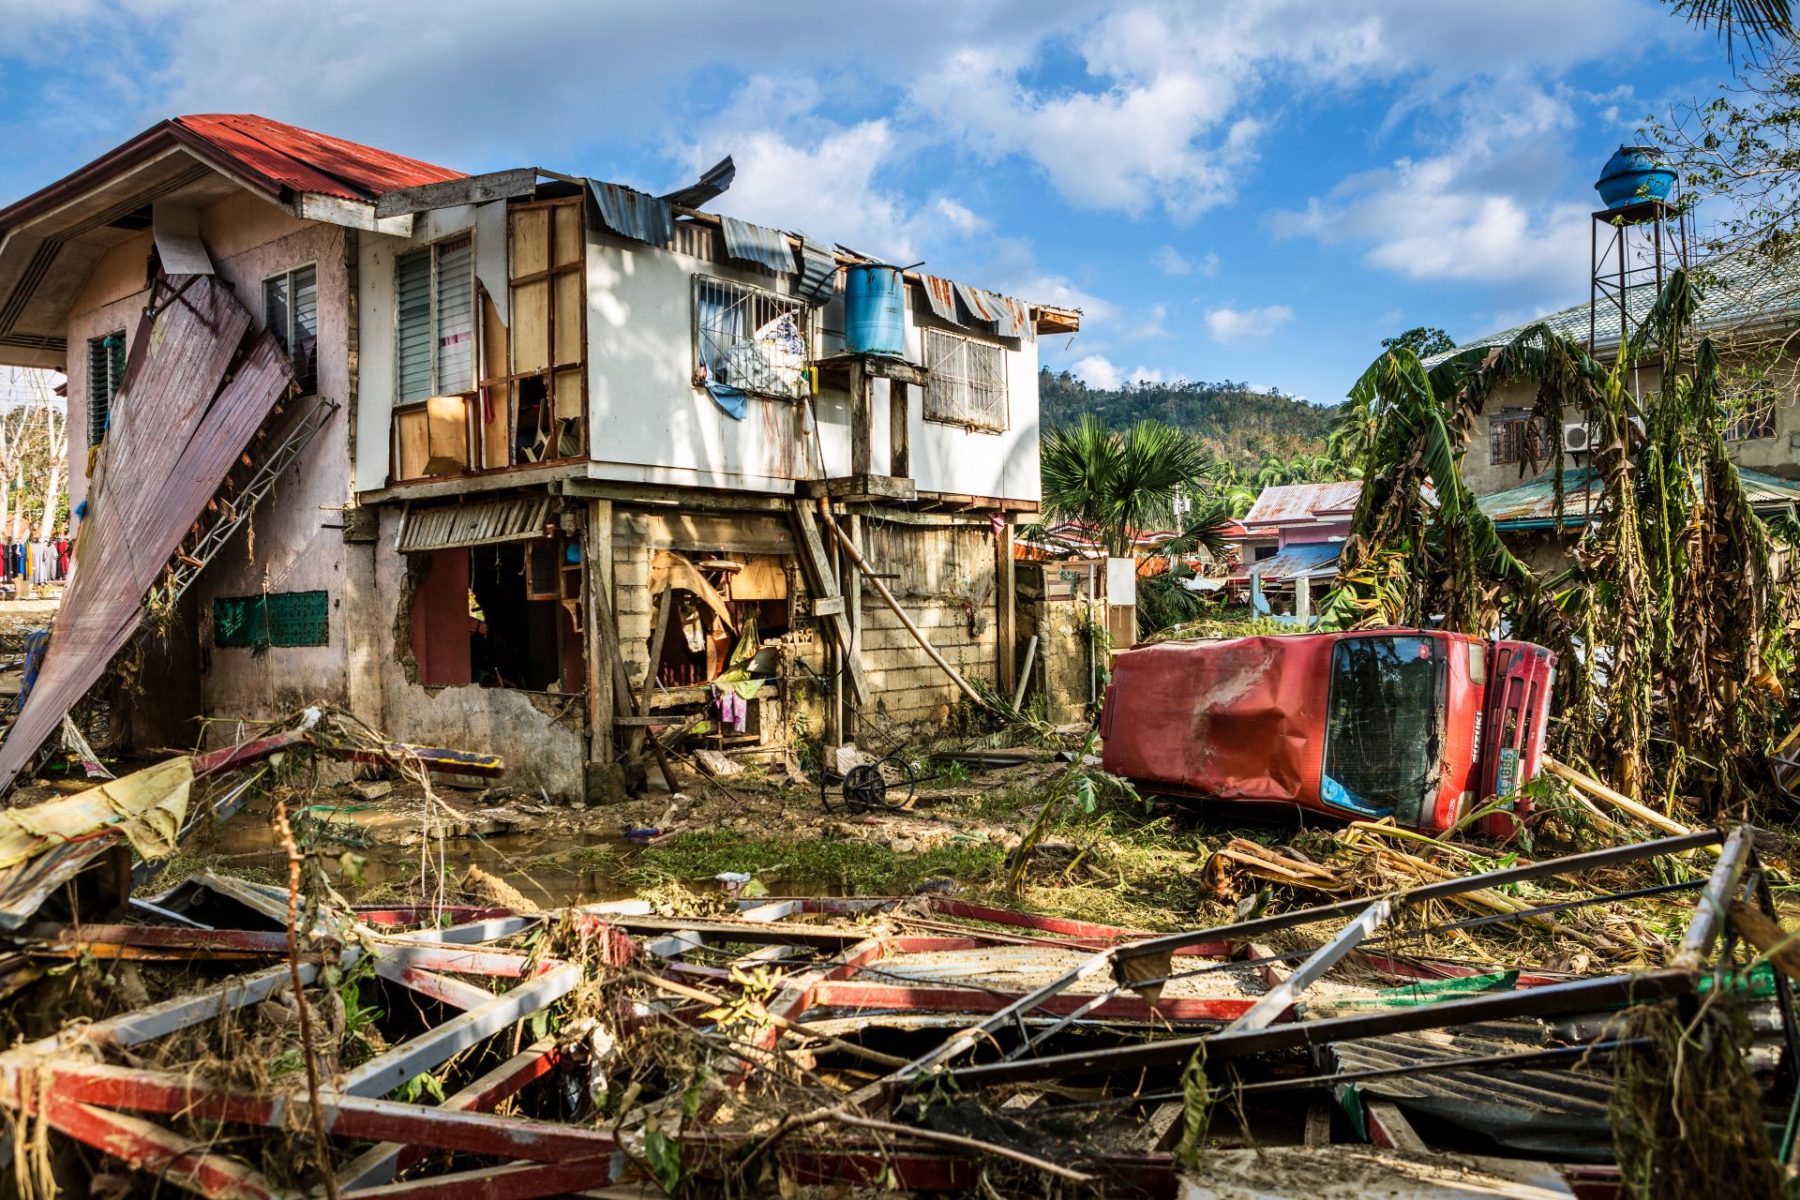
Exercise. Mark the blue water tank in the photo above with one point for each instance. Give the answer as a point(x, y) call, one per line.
point(874, 310)
point(1634, 173)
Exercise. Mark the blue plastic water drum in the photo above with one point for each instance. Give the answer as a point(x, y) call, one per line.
point(874, 310)
point(1634, 173)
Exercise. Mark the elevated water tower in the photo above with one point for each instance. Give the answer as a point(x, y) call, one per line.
point(1637, 240)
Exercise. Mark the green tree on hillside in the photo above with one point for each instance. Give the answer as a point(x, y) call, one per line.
point(1423, 340)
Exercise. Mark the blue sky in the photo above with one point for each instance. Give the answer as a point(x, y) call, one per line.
point(1256, 190)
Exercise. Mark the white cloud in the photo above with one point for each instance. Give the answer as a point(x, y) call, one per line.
point(1096, 371)
point(960, 218)
point(1171, 261)
point(1209, 265)
point(1477, 211)
point(1102, 374)
point(1242, 324)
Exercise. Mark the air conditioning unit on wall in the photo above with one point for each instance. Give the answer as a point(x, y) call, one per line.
point(1577, 438)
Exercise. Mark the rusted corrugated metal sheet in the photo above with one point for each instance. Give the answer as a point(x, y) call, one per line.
point(1290, 502)
point(758, 245)
point(176, 437)
point(633, 214)
point(940, 294)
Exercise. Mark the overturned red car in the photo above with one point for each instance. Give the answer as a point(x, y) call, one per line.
point(1415, 724)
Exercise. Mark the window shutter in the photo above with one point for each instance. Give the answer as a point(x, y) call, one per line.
point(97, 392)
point(456, 317)
point(412, 289)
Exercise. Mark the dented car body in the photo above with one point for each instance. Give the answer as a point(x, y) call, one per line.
point(1413, 724)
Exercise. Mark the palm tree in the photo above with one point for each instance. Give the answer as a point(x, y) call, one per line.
point(1121, 483)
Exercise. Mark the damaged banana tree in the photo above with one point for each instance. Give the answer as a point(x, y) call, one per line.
point(1672, 637)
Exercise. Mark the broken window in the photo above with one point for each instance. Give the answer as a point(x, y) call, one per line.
point(534, 378)
point(748, 340)
point(1751, 415)
point(1385, 726)
point(291, 313)
point(1517, 437)
point(106, 369)
point(434, 358)
point(968, 382)
point(271, 619)
point(499, 616)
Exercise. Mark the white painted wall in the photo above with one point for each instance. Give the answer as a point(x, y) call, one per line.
point(651, 424)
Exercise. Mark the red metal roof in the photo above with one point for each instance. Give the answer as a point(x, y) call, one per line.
point(276, 157)
point(1287, 503)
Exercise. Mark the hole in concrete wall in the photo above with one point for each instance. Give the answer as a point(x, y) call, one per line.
point(477, 619)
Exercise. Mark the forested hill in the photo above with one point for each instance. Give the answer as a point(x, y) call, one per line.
point(1241, 425)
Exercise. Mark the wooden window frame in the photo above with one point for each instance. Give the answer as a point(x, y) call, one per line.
point(1505, 442)
point(508, 379)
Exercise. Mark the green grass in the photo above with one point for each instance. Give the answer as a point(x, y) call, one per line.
point(856, 866)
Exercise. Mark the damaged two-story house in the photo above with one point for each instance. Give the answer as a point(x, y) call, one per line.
point(520, 462)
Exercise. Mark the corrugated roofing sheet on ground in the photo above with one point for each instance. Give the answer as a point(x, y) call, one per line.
point(1290, 502)
point(759, 245)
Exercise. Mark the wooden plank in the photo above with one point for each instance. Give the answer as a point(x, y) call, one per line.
point(707, 531)
point(473, 189)
point(1318, 1123)
point(1163, 1128)
point(859, 489)
point(861, 417)
point(568, 300)
point(828, 606)
point(531, 327)
point(1389, 1127)
point(1005, 610)
point(568, 244)
point(598, 546)
point(495, 423)
point(823, 582)
point(852, 576)
point(897, 370)
point(414, 434)
point(530, 242)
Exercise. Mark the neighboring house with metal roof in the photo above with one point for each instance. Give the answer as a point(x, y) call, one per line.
point(1527, 519)
point(1748, 307)
point(1310, 522)
point(555, 450)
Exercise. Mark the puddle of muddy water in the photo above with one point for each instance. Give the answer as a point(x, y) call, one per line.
point(554, 869)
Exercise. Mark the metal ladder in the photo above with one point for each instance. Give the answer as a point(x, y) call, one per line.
point(232, 514)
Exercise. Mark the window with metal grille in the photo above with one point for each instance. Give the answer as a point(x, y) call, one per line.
point(435, 339)
point(1517, 437)
point(1751, 415)
point(273, 619)
point(968, 382)
point(749, 340)
point(106, 369)
point(291, 313)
